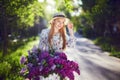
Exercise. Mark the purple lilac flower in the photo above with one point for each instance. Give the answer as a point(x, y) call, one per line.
point(44, 54)
point(34, 72)
point(29, 65)
point(70, 75)
point(40, 68)
point(78, 71)
point(29, 53)
point(45, 71)
point(63, 73)
point(46, 64)
point(23, 70)
point(34, 49)
point(62, 55)
point(51, 61)
point(53, 67)
point(37, 78)
point(23, 59)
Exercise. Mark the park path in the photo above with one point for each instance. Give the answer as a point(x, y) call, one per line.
point(94, 63)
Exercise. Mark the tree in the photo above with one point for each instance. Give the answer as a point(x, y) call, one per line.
point(17, 13)
point(102, 13)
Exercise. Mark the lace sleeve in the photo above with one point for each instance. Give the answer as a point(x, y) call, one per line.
point(43, 42)
point(71, 40)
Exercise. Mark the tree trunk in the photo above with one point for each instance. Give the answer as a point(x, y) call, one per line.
point(4, 32)
point(5, 38)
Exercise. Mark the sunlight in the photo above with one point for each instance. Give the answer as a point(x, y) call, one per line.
point(51, 2)
point(51, 6)
point(40, 0)
point(77, 2)
point(77, 12)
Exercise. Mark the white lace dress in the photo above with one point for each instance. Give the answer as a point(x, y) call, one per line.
point(56, 41)
point(56, 45)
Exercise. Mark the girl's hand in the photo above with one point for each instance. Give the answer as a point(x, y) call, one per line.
point(27, 79)
point(70, 28)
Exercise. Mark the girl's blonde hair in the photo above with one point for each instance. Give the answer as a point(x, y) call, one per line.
point(61, 31)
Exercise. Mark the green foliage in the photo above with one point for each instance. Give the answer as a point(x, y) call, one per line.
point(88, 32)
point(16, 16)
point(64, 5)
point(87, 18)
point(97, 13)
point(105, 44)
point(68, 5)
point(77, 22)
point(100, 6)
point(14, 77)
point(22, 12)
point(115, 53)
point(84, 22)
point(14, 5)
point(10, 65)
point(88, 4)
point(27, 14)
point(5, 68)
point(13, 73)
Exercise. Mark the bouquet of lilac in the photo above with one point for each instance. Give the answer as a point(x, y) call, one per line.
point(43, 63)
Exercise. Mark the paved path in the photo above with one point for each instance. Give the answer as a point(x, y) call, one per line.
point(94, 63)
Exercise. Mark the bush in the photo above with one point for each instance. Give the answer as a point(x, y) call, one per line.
point(88, 32)
point(9, 68)
point(5, 69)
point(115, 53)
point(9, 64)
point(105, 44)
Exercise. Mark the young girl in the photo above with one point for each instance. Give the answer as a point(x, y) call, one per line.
point(56, 37)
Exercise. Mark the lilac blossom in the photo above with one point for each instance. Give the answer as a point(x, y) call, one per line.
point(43, 63)
point(23, 59)
point(23, 70)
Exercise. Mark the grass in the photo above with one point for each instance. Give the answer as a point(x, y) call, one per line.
point(103, 43)
point(22, 50)
point(10, 65)
point(106, 45)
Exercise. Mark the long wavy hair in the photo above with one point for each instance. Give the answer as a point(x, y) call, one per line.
point(61, 31)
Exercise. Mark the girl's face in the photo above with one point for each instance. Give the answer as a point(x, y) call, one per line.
point(59, 23)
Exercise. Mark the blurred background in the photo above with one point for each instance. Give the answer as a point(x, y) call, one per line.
point(22, 20)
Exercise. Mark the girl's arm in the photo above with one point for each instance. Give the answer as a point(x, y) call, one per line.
point(43, 42)
point(70, 39)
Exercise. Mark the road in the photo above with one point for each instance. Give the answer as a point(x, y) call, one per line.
point(94, 63)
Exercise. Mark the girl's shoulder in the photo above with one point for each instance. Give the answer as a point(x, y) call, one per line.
point(44, 32)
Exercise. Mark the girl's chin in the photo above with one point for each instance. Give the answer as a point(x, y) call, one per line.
point(59, 27)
